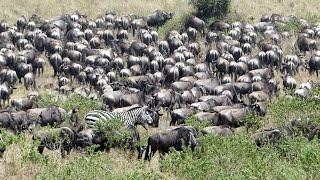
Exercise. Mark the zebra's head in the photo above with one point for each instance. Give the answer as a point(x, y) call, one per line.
point(146, 116)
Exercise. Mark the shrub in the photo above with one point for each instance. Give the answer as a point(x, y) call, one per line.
point(114, 131)
point(211, 8)
point(83, 104)
point(192, 121)
point(293, 26)
point(176, 23)
point(7, 139)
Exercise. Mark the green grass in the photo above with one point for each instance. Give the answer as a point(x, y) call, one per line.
point(235, 157)
point(238, 158)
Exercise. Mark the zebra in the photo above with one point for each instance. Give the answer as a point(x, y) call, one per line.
point(132, 117)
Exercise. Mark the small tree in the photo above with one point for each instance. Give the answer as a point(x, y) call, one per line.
point(211, 8)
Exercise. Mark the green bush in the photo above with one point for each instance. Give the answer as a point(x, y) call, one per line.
point(176, 23)
point(7, 139)
point(192, 121)
point(83, 104)
point(114, 131)
point(211, 8)
point(293, 26)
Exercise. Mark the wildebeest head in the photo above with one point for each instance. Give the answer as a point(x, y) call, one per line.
point(274, 135)
point(192, 141)
point(82, 140)
point(156, 118)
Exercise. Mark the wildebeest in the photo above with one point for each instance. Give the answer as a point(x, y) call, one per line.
point(218, 130)
point(5, 92)
point(22, 104)
point(266, 136)
point(158, 18)
point(89, 137)
point(176, 138)
point(62, 138)
point(50, 115)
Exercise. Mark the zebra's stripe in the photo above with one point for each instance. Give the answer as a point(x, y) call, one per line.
point(129, 118)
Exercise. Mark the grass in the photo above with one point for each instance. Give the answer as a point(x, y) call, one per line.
point(254, 9)
point(216, 157)
point(238, 158)
point(247, 9)
point(12, 9)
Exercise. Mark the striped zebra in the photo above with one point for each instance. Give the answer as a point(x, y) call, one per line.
point(135, 116)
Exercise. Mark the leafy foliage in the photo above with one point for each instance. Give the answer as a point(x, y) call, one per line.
point(93, 167)
point(114, 131)
point(177, 22)
point(192, 121)
point(294, 26)
point(7, 139)
point(211, 8)
point(83, 104)
point(282, 110)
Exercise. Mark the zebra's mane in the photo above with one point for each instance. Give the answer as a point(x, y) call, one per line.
point(137, 107)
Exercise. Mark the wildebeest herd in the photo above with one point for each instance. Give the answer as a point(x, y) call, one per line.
point(217, 74)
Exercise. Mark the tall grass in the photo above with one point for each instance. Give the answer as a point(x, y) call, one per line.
point(216, 157)
point(238, 157)
point(12, 9)
point(254, 9)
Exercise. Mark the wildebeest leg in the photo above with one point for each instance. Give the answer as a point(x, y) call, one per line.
point(63, 155)
point(67, 147)
point(101, 147)
point(179, 145)
point(140, 151)
point(8, 101)
point(172, 122)
point(149, 153)
point(40, 148)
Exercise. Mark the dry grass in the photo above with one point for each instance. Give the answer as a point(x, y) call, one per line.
point(45, 79)
point(12, 9)
point(246, 9)
point(256, 8)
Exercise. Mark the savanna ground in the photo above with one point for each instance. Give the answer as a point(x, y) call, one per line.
point(216, 158)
